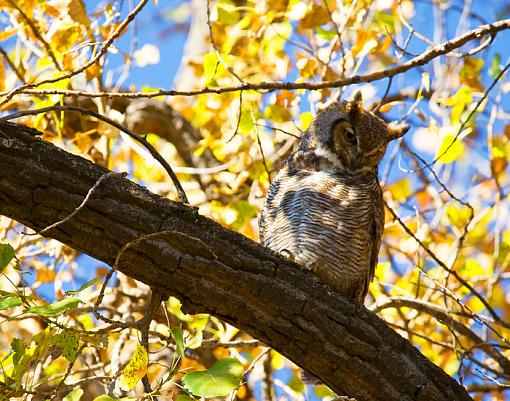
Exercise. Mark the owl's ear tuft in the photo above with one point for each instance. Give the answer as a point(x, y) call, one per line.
point(396, 130)
point(355, 106)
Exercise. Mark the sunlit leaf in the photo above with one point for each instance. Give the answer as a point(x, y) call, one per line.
point(458, 215)
point(296, 384)
point(68, 341)
point(74, 395)
point(135, 369)
point(451, 149)
point(401, 190)
point(86, 285)
point(9, 301)
point(495, 67)
point(183, 397)
point(19, 350)
point(6, 255)
point(323, 391)
point(227, 12)
point(56, 308)
point(179, 340)
point(217, 381)
point(246, 124)
point(106, 397)
point(212, 67)
point(277, 360)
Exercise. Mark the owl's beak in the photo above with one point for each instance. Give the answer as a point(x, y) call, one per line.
point(396, 130)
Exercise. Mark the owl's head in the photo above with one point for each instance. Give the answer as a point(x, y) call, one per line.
point(356, 137)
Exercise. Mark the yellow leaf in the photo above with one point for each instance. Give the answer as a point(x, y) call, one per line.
point(400, 190)
point(78, 12)
point(65, 37)
point(450, 150)
point(306, 119)
point(458, 215)
point(94, 71)
point(7, 33)
point(135, 369)
point(277, 360)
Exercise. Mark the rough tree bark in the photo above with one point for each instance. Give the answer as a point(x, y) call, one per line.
point(168, 246)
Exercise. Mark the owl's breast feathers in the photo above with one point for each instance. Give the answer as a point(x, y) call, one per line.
point(327, 219)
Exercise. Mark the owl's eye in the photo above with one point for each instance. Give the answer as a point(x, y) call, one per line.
point(349, 136)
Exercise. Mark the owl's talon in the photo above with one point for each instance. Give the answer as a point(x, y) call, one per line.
point(288, 254)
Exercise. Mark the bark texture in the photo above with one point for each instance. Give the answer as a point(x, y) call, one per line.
point(170, 247)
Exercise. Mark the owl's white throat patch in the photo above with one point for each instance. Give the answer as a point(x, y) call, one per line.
point(327, 154)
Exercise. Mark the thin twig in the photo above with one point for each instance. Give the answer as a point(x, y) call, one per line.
point(83, 203)
point(213, 43)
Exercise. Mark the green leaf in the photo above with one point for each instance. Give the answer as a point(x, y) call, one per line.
point(19, 350)
point(9, 302)
point(227, 12)
point(323, 391)
point(6, 255)
point(296, 384)
point(179, 340)
point(69, 342)
point(56, 308)
point(246, 124)
point(83, 287)
point(74, 395)
point(106, 397)
point(495, 67)
point(135, 369)
point(326, 34)
point(184, 397)
point(217, 381)
point(212, 66)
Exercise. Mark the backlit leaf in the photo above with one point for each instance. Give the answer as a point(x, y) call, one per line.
point(450, 150)
point(88, 284)
point(69, 342)
point(227, 12)
point(135, 369)
point(56, 308)
point(9, 301)
point(74, 395)
point(106, 397)
point(179, 340)
point(6, 255)
point(19, 350)
point(217, 381)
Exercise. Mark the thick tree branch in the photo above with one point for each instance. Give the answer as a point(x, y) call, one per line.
point(214, 270)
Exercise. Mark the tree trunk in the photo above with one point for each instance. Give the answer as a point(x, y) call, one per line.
point(173, 249)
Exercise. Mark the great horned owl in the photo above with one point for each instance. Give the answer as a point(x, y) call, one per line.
point(324, 208)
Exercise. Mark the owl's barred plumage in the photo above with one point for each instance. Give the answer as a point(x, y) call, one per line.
point(324, 208)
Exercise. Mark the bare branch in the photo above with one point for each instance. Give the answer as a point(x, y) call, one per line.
point(430, 54)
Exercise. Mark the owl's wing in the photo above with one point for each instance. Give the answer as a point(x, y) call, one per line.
point(377, 231)
point(268, 211)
